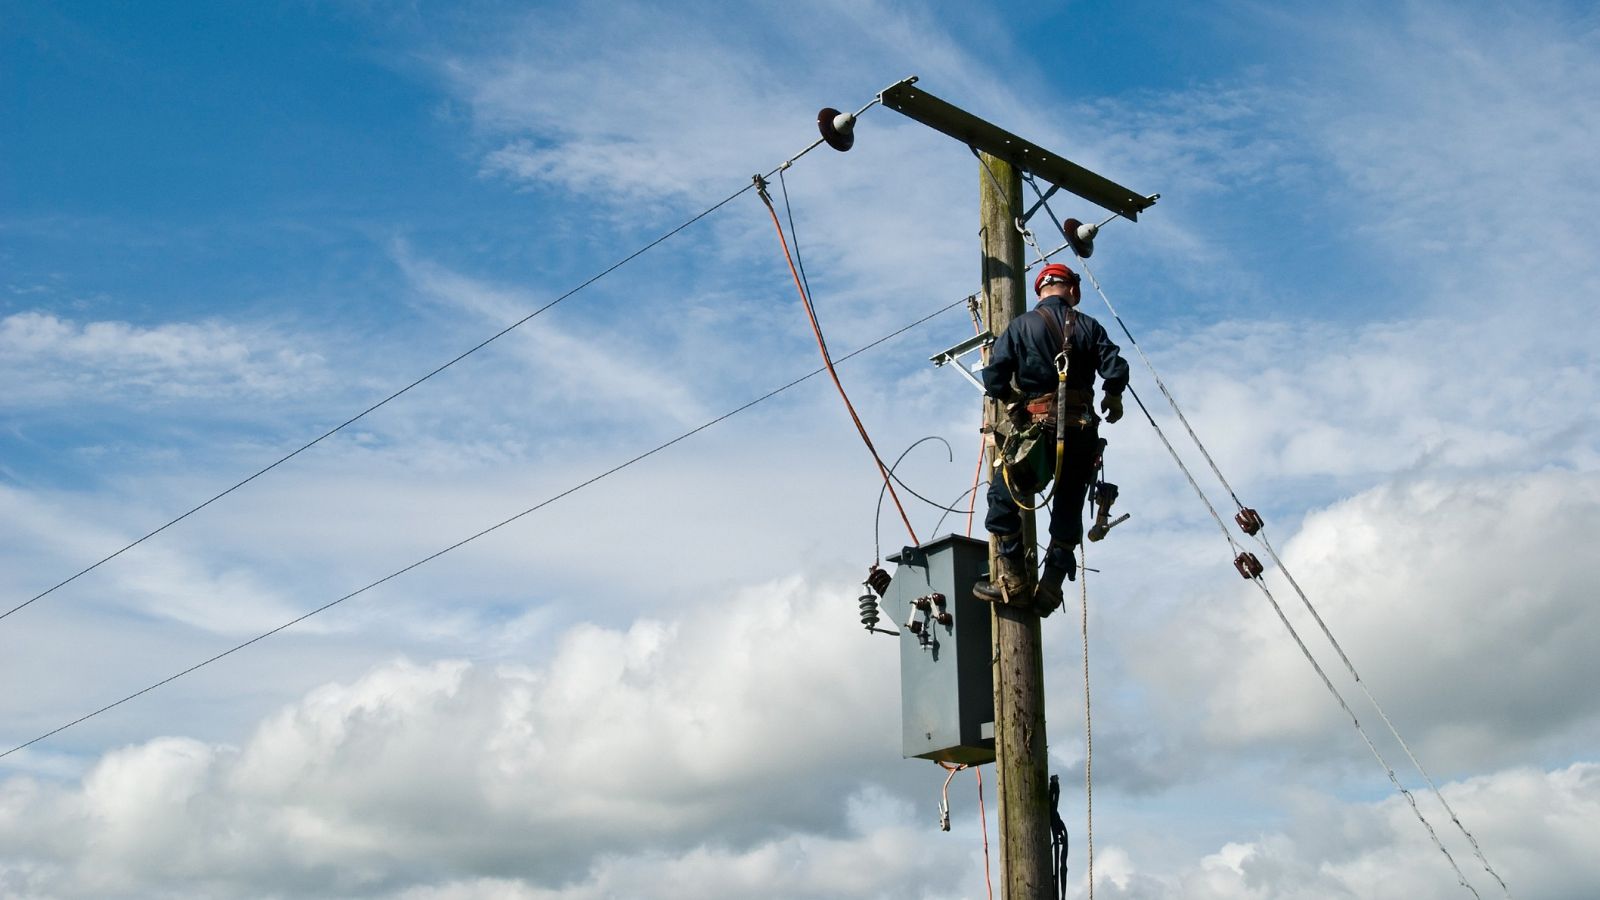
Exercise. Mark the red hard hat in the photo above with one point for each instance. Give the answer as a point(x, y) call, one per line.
point(1054, 269)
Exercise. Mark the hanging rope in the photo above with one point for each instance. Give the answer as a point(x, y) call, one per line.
point(827, 360)
point(1088, 719)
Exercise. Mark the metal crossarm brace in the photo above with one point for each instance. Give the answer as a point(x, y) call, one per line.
point(954, 354)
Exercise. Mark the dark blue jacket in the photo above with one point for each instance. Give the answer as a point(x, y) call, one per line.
point(1027, 352)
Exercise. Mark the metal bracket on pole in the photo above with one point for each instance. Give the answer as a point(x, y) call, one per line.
point(1027, 156)
point(1040, 202)
point(954, 354)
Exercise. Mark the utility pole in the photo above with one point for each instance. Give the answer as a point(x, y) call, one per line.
point(1019, 729)
point(1019, 734)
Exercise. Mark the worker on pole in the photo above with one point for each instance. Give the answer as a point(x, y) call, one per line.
point(1043, 367)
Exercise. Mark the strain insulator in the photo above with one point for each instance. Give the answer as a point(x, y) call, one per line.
point(923, 603)
point(878, 580)
point(938, 599)
point(944, 618)
point(1248, 565)
point(1249, 521)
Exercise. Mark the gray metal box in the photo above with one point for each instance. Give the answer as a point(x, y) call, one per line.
point(946, 675)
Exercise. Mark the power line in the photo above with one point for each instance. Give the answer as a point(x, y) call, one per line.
point(474, 349)
point(381, 403)
point(495, 527)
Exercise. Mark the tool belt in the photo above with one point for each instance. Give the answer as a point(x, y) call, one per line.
point(1043, 407)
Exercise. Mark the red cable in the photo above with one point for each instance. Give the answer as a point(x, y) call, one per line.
point(816, 329)
point(977, 476)
point(983, 815)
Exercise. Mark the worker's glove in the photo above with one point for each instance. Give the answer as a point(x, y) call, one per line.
point(1008, 394)
point(1111, 405)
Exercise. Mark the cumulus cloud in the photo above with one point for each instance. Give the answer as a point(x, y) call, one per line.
point(1464, 618)
point(1533, 830)
point(1429, 441)
point(662, 738)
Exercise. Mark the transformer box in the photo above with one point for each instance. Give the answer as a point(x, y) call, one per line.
point(946, 670)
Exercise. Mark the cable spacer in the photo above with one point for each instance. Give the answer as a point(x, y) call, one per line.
point(1248, 565)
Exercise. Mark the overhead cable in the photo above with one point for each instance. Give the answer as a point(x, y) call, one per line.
point(827, 359)
point(1304, 599)
point(495, 527)
point(381, 403)
point(1306, 651)
point(474, 349)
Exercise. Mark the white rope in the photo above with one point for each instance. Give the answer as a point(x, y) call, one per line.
point(1088, 718)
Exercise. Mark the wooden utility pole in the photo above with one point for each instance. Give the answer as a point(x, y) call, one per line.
point(1019, 733)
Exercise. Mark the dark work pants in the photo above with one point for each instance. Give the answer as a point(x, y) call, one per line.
point(1066, 507)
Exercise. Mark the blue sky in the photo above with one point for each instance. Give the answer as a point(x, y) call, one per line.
point(226, 228)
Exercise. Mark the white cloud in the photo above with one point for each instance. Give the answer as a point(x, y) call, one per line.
point(1464, 618)
point(1533, 829)
point(592, 377)
point(662, 738)
point(52, 360)
point(1438, 434)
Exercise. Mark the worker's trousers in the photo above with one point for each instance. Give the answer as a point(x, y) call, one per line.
point(1080, 452)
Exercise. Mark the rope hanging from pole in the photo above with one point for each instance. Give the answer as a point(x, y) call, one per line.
point(1088, 720)
point(827, 360)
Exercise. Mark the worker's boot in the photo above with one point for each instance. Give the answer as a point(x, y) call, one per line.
point(1059, 564)
point(1010, 582)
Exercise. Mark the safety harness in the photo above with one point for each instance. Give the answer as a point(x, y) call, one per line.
point(1041, 410)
